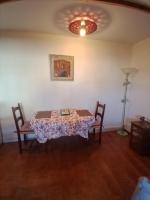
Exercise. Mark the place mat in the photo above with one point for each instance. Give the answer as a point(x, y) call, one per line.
point(83, 113)
point(43, 114)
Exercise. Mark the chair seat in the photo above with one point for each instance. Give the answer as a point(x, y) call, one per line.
point(99, 115)
point(26, 128)
point(96, 124)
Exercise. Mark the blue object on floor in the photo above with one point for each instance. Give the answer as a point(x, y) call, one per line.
point(142, 191)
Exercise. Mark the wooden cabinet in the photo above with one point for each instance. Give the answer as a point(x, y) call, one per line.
point(140, 137)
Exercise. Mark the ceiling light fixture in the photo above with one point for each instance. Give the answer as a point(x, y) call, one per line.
point(82, 26)
point(82, 19)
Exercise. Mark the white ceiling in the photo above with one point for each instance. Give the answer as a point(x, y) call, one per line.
point(142, 2)
point(124, 25)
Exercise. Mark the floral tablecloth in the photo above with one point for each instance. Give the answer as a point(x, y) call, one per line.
point(52, 125)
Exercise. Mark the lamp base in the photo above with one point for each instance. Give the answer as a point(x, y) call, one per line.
point(122, 132)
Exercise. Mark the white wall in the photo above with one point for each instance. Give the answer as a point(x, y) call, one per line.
point(140, 95)
point(25, 76)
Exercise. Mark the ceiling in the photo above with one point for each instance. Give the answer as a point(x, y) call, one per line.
point(121, 24)
point(142, 2)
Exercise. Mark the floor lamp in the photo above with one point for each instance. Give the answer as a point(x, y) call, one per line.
point(127, 71)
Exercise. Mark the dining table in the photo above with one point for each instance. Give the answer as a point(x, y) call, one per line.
point(53, 124)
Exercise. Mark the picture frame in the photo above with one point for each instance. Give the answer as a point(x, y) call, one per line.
point(62, 67)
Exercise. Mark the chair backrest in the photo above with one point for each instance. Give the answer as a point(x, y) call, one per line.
point(18, 117)
point(99, 112)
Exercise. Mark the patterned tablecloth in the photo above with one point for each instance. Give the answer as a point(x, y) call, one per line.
point(51, 124)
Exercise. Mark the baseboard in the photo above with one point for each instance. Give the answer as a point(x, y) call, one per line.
point(12, 137)
point(9, 137)
point(112, 129)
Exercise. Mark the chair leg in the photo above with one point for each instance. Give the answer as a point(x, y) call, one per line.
point(100, 134)
point(25, 139)
point(31, 144)
point(94, 132)
point(19, 143)
point(99, 138)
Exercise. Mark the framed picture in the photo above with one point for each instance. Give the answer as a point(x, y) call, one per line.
point(62, 67)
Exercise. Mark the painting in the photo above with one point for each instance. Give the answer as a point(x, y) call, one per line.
point(62, 67)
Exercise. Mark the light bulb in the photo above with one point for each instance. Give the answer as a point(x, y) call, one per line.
point(82, 23)
point(82, 32)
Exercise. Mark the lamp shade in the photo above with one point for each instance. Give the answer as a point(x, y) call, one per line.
point(83, 25)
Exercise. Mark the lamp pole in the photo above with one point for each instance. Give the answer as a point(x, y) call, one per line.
point(124, 100)
point(127, 72)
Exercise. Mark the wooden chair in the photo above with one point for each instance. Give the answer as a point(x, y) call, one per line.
point(22, 127)
point(99, 116)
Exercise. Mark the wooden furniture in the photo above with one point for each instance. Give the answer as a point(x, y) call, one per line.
point(140, 137)
point(22, 127)
point(53, 124)
point(99, 117)
point(1, 134)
